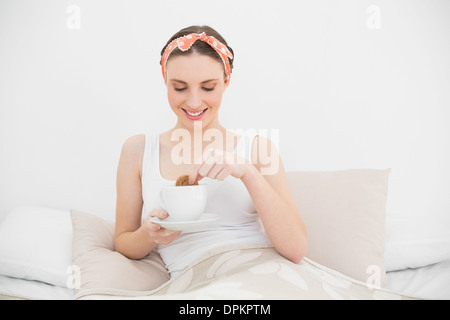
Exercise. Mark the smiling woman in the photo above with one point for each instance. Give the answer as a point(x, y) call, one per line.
point(251, 207)
point(202, 54)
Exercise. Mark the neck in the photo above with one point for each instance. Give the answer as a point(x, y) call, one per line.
point(200, 129)
point(199, 137)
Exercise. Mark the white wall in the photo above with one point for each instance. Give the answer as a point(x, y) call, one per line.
point(349, 84)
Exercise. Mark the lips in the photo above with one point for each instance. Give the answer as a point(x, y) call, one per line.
point(195, 115)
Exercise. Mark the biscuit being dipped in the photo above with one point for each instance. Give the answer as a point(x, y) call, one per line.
point(184, 181)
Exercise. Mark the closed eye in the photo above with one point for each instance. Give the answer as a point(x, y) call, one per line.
point(208, 89)
point(180, 89)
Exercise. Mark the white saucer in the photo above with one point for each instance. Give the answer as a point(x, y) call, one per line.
point(204, 220)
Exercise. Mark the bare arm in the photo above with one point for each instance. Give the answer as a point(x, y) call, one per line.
point(132, 238)
point(274, 203)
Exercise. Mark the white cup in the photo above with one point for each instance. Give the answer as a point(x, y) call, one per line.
point(185, 203)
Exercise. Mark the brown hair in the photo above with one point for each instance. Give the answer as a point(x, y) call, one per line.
point(199, 46)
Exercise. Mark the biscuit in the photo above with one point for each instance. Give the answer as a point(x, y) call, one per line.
point(184, 181)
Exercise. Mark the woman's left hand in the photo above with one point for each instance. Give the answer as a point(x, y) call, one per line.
point(218, 164)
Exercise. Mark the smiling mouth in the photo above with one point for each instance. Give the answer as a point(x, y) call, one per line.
point(195, 115)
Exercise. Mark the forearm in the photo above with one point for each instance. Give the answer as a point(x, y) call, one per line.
point(282, 222)
point(134, 244)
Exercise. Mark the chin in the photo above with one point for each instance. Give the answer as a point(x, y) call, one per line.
point(189, 123)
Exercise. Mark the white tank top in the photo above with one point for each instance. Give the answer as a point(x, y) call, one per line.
point(238, 223)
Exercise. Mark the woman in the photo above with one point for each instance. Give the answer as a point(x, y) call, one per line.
point(197, 64)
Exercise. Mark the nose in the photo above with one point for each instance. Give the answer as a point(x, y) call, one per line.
point(194, 100)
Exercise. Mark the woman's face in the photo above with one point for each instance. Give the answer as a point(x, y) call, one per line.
point(195, 85)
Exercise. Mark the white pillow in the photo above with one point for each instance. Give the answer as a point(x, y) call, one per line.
point(36, 244)
point(413, 242)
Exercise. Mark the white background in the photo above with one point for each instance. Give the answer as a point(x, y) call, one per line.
point(348, 84)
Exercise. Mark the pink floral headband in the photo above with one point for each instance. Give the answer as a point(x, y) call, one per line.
point(186, 42)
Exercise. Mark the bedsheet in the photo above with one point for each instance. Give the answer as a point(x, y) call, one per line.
point(251, 273)
point(14, 288)
point(428, 282)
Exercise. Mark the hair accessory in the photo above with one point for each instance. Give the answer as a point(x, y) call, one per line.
point(186, 42)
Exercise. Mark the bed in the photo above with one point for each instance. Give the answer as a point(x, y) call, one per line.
point(356, 251)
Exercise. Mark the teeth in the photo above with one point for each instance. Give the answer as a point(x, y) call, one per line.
point(195, 114)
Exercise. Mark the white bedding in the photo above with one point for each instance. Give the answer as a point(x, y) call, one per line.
point(34, 290)
point(429, 282)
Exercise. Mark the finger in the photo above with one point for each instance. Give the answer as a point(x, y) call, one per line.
point(153, 227)
point(169, 237)
point(162, 233)
point(205, 169)
point(194, 176)
point(220, 157)
point(174, 235)
point(231, 158)
point(222, 175)
point(171, 233)
point(207, 165)
point(159, 213)
point(213, 173)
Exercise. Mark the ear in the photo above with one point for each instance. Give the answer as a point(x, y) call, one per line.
point(225, 86)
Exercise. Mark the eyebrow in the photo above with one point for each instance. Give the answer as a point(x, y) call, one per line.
point(184, 82)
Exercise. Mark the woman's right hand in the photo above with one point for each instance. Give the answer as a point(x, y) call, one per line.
point(159, 234)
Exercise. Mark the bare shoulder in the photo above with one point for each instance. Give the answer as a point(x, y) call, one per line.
point(266, 158)
point(263, 141)
point(262, 148)
point(133, 150)
point(134, 144)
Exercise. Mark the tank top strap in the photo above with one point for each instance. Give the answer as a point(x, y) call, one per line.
point(150, 162)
